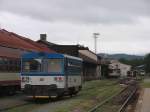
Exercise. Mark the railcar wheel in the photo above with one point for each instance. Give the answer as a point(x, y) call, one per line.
point(76, 90)
point(71, 91)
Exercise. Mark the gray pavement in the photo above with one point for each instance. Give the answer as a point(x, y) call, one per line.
point(145, 101)
point(147, 80)
point(145, 106)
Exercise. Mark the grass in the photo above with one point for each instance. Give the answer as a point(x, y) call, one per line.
point(109, 108)
point(145, 83)
point(93, 92)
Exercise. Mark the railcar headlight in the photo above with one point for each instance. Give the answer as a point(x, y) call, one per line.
point(26, 79)
point(23, 79)
point(58, 79)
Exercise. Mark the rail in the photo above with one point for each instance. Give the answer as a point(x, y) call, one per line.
point(125, 103)
point(105, 101)
point(15, 106)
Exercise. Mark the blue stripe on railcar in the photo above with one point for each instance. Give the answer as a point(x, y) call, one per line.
point(41, 54)
point(42, 74)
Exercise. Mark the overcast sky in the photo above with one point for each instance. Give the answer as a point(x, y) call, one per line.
point(124, 25)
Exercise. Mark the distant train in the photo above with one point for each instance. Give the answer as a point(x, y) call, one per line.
point(45, 75)
point(114, 71)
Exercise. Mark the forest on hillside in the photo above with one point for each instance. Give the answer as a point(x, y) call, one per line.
point(137, 62)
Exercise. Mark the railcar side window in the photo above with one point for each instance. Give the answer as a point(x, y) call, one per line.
point(55, 65)
point(74, 67)
point(1, 64)
point(9, 65)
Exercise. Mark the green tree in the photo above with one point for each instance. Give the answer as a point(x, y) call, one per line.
point(133, 63)
point(147, 63)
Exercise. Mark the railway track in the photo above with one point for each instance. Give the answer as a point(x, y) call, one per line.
point(126, 94)
point(125, 104)
point(22, 101)
point(15, 106)
point(34, 102)
point(13, 103)
point(134, 88)
point(29, 102)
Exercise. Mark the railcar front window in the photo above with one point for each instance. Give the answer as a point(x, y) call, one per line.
point(55, 65)
point(33, 65)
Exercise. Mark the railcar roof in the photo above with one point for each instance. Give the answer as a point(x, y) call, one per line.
point(72, 57)
point(49, 55)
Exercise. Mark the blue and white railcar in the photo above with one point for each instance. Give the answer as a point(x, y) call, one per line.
point(45, 75)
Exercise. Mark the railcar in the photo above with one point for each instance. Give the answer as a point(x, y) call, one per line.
point(45, 75)
point(9, 75)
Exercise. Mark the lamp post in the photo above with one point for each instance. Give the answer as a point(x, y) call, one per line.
point(95, 36)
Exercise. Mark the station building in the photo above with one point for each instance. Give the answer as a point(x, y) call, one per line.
point(91, 62)
point(12, 46)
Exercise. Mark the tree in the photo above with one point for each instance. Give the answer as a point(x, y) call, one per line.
point(147, 63)
point(133, 62)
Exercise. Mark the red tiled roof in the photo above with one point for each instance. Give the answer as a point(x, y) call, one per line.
point(10, 39)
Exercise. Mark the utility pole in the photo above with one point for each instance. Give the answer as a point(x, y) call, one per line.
point(95, 36)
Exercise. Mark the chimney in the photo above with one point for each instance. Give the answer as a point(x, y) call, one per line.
point(43, 37)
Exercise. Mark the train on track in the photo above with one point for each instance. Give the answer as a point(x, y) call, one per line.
point(45, 75)
point(9, 75)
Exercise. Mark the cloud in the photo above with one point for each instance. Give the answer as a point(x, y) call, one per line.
point(123, 25)
point(80, 11)
point(129, 38)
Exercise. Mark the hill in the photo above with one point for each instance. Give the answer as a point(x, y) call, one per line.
point(120, 56)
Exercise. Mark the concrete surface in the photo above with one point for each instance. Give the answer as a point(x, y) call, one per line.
point(145, 102)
